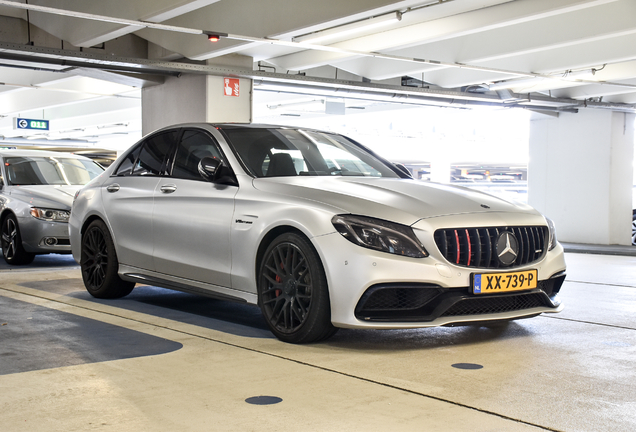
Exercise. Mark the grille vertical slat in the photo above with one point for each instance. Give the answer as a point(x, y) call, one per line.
point(477, 247)
point(458, 248)
point(533, 245)
point(494, 260)
point(526, 242)
point(442, 243)
point(488, 249)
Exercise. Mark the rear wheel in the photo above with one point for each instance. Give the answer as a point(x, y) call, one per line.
point(12, 249)
point(292, 291)
point(99, 264)
point(634, 229)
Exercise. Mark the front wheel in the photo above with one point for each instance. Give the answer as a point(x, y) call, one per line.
point(99, 264)
point(12, 249)
point(292, 291)
point(634, 229)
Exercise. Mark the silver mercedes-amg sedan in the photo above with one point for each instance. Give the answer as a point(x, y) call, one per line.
point(316, 229)
point(36, 193)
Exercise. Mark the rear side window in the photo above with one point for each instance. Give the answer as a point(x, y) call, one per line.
point(149, 157)
point(194, 146)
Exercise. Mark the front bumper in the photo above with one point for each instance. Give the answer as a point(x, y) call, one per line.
point(35, 233)
point(444, 293)
point(427, 303)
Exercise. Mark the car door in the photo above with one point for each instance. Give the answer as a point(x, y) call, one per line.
point(128, 199)
point(192, 217)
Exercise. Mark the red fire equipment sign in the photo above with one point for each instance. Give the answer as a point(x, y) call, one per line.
point(231, 86)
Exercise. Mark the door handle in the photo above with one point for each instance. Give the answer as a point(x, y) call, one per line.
point(113, 188)
point(169, 188)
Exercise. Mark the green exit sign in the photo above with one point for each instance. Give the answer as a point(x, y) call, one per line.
point(22, 123)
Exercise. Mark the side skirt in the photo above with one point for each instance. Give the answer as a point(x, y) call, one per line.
point(136, 275)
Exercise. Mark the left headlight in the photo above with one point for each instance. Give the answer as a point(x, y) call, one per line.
point(50, 215)
point(380, 235)
point(553, 237)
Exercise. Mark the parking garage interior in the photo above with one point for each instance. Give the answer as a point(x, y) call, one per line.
point(532, 101)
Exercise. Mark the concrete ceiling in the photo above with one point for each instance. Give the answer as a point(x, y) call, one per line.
point(85, 73)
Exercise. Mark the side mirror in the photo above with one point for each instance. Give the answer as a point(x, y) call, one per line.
point(209, 168)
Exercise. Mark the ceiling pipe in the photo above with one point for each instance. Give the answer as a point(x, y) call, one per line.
point(7, 141)
point(433, 95)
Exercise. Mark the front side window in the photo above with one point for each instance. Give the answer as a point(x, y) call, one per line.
point(125, 167)
point(23, 171)
point(194, 146)
point(296, 152)
point(153, 154)
point(149, 157)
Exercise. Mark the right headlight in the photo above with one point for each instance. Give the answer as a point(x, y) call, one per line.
point(379, 235)
point(553, 238)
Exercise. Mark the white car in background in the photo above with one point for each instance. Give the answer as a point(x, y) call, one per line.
point(36, 193)
point(316, 229)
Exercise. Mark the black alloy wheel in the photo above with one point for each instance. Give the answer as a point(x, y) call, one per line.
point(293, 293)
point(99, 264)
point(12, 249)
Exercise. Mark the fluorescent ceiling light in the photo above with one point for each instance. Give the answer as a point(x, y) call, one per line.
point(298, 104)
point(568, 75)
point(350, 29)
point(515, 83)
point(351, 94)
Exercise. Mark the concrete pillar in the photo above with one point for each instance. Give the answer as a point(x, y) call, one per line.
point(198, 98)
point(580, 174)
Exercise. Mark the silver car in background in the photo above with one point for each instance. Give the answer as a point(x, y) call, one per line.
point(316, 229)
point(36, 193)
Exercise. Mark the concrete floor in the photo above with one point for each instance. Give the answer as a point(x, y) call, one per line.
point(164, 361)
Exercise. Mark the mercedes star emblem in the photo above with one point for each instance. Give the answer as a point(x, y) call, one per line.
point(507, 248)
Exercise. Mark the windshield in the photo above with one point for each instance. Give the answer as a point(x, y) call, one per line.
point(22, 171)
point(294, 152)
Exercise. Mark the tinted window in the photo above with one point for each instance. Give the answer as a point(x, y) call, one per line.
point(194, 146)
point(125, 167)
point(153, 154)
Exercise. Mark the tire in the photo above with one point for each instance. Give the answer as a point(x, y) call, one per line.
point(634, 229)
point(12, 248)
point(292, 291)
point(99, 264)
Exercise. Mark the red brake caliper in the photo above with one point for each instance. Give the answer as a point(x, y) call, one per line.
point(279, 280)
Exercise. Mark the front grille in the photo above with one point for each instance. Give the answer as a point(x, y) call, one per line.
point(479, 306)
point(477, 247)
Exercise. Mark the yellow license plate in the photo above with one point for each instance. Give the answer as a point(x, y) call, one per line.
point(486, 283)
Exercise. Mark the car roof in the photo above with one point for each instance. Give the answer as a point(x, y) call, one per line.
point(233, 126)
point(37, 153)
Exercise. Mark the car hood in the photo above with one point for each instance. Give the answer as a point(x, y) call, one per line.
point(50, 196)
point(399, 200)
